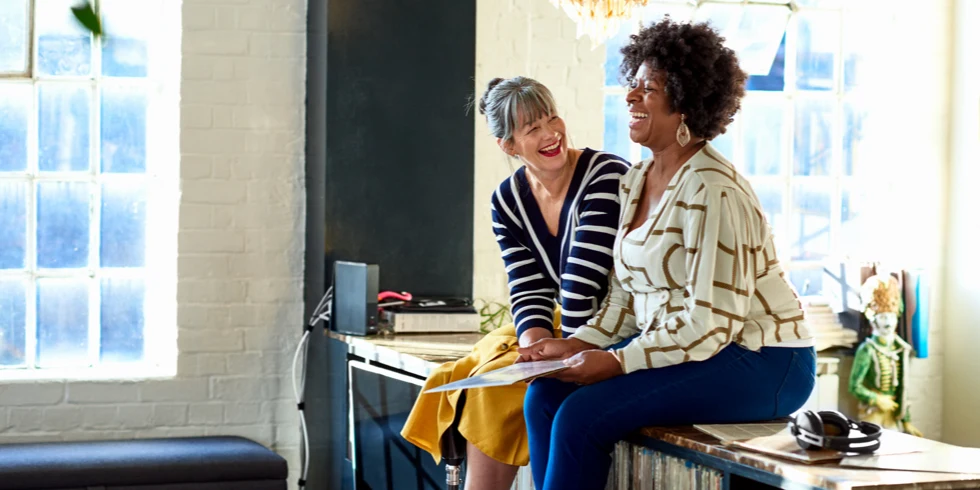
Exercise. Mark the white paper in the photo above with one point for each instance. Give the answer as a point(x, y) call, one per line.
point(943, 458)
point(726, 433)
point(504, 376)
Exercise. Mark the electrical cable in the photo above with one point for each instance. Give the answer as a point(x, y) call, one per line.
point(320, 313)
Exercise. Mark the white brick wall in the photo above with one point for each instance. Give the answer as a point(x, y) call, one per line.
point(240, 249)
point(535, 39)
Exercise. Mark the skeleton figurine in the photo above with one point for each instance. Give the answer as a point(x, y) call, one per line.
point(880, 372)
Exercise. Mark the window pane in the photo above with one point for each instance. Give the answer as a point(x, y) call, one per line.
point(123, 129)
point(771, 198)
point(63, 123)
point(62, 224)
point(679, 11)
point(762, 120)
point(13, 222)
point(123, 224)
point(852, 233)
point(63, 46)
point(645, 153)
point(122, 320)
point(807, 282)
point(854, 128)
point(775, 79)
point(13, 36)
point(62, 322)
point(812, 147)
point(817, 44)
point(725, 142)
point(124, 55)
point(13, 323)
point(857, 39)
point(613, 56)
point(752, 31)
point(810, 221)
point(616, 138)
point(819, 3)
point(15, 102)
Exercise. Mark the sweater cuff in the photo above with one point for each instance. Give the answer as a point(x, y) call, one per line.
point(588, 334)
point(529, 325)
point(632, 357)
point(622, 361)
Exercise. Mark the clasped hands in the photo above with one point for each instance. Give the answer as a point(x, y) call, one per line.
point(587, 363)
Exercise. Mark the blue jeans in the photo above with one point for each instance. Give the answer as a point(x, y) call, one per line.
point(572, 429)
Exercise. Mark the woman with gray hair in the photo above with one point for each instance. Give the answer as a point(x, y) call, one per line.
point(555, 220)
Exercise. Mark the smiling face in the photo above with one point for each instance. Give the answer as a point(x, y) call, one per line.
point(883, 326)
point(540, 143)
point(651, 122)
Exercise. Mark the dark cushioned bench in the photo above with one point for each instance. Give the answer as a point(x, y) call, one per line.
point(191, 463)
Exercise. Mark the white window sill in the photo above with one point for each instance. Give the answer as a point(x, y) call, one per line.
point(101, 373)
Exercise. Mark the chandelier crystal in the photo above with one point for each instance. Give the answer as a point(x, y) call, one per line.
point(599, 19)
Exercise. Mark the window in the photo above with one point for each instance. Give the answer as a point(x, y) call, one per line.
point(797, 138)
point(80, 179)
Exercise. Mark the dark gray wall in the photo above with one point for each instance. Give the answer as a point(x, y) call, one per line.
point(389, 170)
point(399, 159)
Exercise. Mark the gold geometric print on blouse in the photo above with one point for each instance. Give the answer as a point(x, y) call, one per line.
point(673, 284)
point(658, 212)
point(623, 313)
point(711, 243)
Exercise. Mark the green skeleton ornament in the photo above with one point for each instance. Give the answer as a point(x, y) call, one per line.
point(880, 372)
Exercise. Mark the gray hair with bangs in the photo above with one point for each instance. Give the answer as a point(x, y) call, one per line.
point(507, 103)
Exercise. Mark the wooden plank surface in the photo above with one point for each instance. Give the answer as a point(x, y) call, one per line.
point(826, 475)
point(420, 353)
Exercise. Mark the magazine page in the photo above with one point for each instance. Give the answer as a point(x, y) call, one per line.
point(504, 376)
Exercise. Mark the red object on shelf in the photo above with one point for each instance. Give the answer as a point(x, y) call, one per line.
point(403, 296)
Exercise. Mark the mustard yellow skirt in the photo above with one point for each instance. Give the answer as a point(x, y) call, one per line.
point(492, 418)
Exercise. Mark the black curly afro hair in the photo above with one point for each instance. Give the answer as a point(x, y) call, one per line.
point(702, 78)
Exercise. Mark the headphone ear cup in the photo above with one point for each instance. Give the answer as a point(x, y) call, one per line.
point(808, 421)
point(835, 424)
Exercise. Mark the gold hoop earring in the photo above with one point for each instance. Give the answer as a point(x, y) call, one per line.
point(683, 132)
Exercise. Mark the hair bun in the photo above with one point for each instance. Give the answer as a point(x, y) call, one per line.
point(483, 100)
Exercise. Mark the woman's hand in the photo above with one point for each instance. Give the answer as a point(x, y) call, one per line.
point(533, 335)
point(548, 349)
point(591, 366)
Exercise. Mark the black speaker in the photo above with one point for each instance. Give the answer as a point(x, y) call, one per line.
point(355, 296)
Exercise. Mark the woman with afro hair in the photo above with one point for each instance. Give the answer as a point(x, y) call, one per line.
point(717, 331)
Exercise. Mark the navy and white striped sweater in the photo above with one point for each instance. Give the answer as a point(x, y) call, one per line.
point(573, 265)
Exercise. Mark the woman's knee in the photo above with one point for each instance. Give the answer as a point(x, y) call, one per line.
point(576, 420)
point(543, 398)
point(595, 415)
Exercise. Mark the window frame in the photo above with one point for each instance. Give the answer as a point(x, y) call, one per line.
point(836, 180)
point(160, 87)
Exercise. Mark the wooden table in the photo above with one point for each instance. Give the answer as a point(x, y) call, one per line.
point(419, 354)
point(747, 469)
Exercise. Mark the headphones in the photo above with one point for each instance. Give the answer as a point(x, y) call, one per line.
point(831, 430)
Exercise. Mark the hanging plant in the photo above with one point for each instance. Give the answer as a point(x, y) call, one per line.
point(88, 18)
